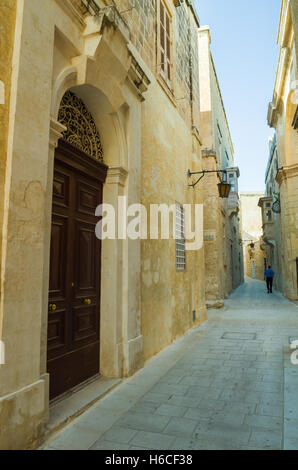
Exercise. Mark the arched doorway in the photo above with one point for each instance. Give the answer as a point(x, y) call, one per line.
point(75, 261)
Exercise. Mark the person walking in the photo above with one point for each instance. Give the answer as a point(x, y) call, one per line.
point(269, 276)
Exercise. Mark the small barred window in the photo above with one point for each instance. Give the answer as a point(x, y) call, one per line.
point(180, 238)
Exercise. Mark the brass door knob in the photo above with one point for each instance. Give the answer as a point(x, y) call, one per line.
point(88, 301)
point(53, 307)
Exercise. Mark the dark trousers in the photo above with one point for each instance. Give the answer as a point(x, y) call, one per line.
point(269, 282)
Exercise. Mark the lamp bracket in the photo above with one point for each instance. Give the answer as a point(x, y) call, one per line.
point(203, 173)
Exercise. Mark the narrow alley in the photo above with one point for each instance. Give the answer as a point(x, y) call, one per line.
point(228, 384)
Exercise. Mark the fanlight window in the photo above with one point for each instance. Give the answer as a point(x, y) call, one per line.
point(81, 129)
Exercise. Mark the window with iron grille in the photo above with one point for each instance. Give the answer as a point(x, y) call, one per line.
point(165, 43)
point(180, 238)
point(269, 216)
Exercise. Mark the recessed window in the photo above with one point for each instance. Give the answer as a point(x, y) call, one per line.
point(165, 43)
point(180, 238)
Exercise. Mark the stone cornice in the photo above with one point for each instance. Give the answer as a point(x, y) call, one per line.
point(286, 172)
point(234, 169)
point(117, 175)
point(139, 75)
point(56, 130)
point(136, 71)
point(194, 12)
point(95, 26)
point(264, 199)
point(73, 8)
point(206, 153)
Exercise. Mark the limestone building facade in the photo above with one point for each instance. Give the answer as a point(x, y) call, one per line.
point(222, 231)
point(283, 166)
point(102, 106)
point(252, 231)
point(271, 216)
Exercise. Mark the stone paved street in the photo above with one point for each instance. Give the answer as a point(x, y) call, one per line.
point(228, 384)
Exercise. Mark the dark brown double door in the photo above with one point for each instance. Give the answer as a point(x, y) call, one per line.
point(75, 267)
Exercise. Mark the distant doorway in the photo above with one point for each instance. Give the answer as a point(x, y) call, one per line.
point(253, 269)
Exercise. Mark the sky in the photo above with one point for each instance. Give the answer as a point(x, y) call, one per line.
point(245, 53)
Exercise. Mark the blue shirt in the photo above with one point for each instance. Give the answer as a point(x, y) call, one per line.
point(269, 273)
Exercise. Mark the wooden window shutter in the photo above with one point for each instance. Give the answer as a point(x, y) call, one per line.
point(165, 42)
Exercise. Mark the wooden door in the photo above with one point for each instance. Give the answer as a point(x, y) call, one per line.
point(75, 266)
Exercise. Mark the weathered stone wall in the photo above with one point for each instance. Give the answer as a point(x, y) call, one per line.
point(187, 67)
point(274, 252)
point(7, 29)
point(255, 260)
point(140, 16)
point(169, 298)
point(223, 141)
point(223, 253)
point(214, 233)
point(251, 215)
point(281, 116)
point(251, 222)
point(235, 268)
point(294, 16)
point(289, 233)
point(143, 22)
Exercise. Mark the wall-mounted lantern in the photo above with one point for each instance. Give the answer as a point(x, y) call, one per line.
point(224, 188)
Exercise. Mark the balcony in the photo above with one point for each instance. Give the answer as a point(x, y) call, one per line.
point(233, 201)
point(267, 217)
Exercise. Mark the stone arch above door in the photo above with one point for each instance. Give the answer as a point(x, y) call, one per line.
point(81, 130)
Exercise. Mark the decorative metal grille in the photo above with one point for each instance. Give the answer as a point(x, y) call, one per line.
point(276, 207)
point(180, 239)
point(81, 129)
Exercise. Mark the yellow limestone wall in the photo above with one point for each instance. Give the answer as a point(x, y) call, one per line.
point(281, 115)
point(52, 45)
point(7, 28)
point(256, 254)
point(168, 297)
point(221, 232)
